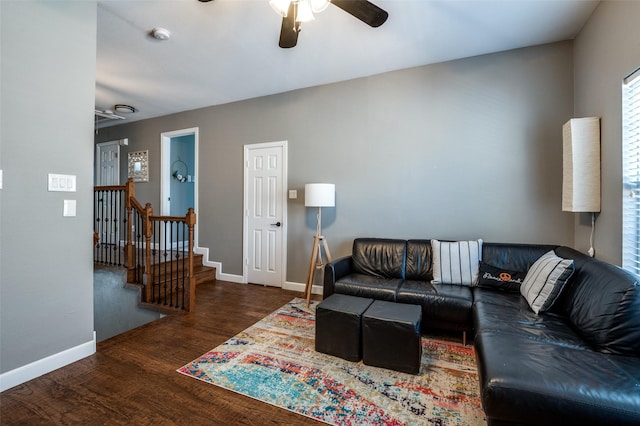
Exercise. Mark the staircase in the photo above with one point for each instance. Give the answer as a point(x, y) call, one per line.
point(156, 250)
point(168, 275)
point(203, 274)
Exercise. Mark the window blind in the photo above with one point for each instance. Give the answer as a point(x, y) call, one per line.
point(631, 172)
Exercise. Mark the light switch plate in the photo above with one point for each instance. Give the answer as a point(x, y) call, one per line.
point(293, 194)
point(69, 209)
point(61, 183)
point(0, 179)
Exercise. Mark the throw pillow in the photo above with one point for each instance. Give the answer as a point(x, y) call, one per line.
point(490, 276)
point(456, 262)
point(545, 280)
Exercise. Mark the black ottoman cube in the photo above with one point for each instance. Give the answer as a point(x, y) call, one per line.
point(391, 336)
point(339, 325)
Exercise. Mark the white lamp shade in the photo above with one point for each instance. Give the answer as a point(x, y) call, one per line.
point(304, 13)
point(318, 6)
point(581, 165)
point(281, 7)
point(320, 195)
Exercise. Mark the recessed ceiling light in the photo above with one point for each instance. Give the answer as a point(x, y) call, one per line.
point(161, 33)
point(124, 108)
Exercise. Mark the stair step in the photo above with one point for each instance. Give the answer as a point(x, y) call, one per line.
point(204, 274)
point(197, 260)
point(173, 266)
point(168, 272)
point(166, 310)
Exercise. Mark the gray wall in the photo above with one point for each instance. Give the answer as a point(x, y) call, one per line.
point(48, 90)
point(115, 304)
point(464, 149)
point(606, 50)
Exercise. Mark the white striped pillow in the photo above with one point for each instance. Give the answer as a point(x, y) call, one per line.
point(456, 262)
point(545, 280)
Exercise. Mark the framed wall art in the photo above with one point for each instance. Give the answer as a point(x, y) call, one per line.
point(139, 166)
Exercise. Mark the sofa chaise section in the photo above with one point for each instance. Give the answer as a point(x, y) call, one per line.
point(578, 363)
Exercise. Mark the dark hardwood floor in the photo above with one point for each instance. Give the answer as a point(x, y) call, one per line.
point(131, 380)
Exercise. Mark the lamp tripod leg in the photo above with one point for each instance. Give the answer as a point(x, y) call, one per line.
point(312, 266)
point(316, 262)
point(326, 249)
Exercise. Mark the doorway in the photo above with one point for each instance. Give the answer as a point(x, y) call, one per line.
point(179, 174)
point(265, 218)
point(107, 173)
point(108, 162)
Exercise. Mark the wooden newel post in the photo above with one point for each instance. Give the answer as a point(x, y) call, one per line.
point(148, 233)
point(129, 194)
point(191, 288)
point(130, 189)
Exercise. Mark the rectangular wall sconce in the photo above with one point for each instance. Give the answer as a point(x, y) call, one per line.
point(581, 165)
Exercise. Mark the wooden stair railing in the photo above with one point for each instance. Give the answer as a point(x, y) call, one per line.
point(157, 250)
point(111, 215)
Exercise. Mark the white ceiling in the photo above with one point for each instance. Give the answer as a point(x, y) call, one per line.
point(227, 50)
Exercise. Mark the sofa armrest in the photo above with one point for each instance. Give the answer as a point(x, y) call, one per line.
point(333, 271)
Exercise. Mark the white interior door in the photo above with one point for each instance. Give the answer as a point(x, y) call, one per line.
point(265, 213)
point(107, 174)
point(108, 163)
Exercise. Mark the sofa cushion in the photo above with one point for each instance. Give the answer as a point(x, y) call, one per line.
point(603, 303)
point(379, 257)
point(419, 256)
point(440, 302)
point(456, 262)
point(513, 256)
point(499, 278)
point(362, 285)
point(545, 280)
point(509, 313)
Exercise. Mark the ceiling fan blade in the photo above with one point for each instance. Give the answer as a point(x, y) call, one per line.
point(364, 10)
point(289, 29)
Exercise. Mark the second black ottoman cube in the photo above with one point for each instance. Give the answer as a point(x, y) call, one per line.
point(339, 326)
point(391, 336)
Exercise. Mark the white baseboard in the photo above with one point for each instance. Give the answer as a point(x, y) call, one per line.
point(204, 251)
point(46, 365)
point(288, 285)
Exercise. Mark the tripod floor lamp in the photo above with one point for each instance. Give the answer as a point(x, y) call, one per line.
point(318, 195)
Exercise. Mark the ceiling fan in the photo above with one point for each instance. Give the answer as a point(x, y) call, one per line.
point(294, 12)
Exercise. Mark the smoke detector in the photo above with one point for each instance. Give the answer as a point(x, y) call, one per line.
point(161, 33)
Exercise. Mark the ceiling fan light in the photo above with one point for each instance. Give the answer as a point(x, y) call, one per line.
point(318, 6)
point(304, 11)
point(281, 7)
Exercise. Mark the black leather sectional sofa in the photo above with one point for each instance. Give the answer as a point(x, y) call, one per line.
point(575, 364)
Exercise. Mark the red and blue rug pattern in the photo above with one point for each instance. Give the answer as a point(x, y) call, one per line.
point(274, 361)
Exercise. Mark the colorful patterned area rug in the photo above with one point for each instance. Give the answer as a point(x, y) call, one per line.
point(274, 361)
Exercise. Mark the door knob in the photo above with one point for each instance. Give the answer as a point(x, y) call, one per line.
point(276, 224)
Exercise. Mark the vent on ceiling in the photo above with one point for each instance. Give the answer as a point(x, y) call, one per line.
point(106, 115)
